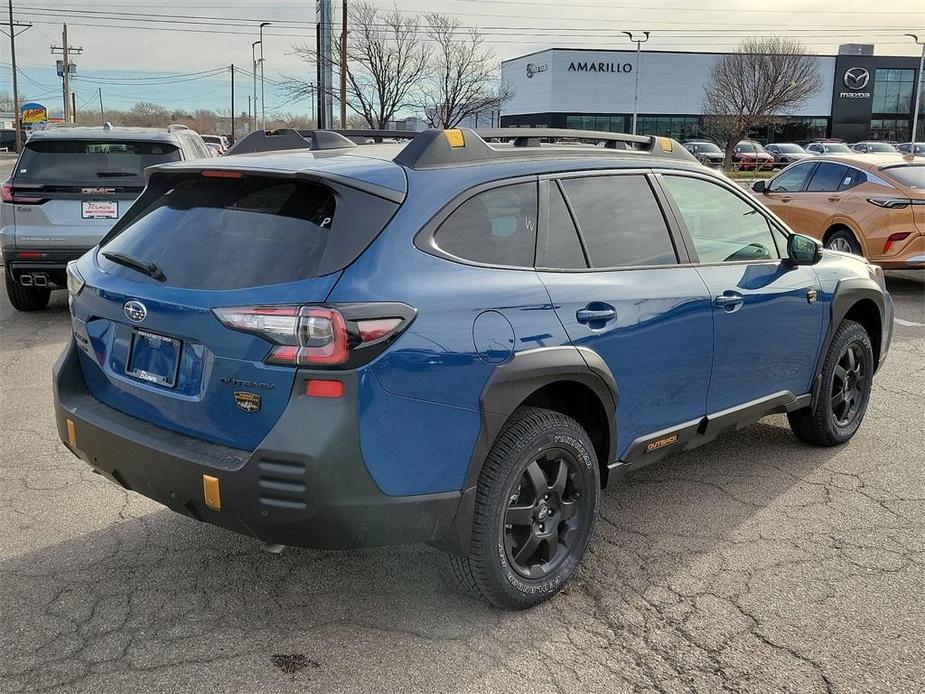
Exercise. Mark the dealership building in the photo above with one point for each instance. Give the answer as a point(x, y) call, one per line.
point(863, 95)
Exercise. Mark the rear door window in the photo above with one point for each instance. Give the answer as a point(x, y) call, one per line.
point(91, 160)
point(620, 221)
point(495, 227)
point(221, 233)
point(827, 178)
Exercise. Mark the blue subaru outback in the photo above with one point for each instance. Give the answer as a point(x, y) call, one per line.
point(459, 341)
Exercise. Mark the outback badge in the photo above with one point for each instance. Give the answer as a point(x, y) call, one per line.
point(249, 402)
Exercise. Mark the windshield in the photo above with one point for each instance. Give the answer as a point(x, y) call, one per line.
point(791, 149)
point(91, 160)
point(837, 148)
point(912, 176)
point(880, 147)
point(708, 148)
point(749, 147)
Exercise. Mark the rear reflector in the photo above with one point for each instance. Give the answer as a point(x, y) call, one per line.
point(29, 255)
point(211, 492)
point(324, 389)
point(898, 236)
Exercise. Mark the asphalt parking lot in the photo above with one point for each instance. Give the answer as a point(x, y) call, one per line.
point(754, 564)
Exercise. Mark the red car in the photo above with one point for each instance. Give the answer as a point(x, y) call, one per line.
point(750, 155)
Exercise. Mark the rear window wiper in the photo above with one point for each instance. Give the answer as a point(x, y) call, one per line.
point(145, 267)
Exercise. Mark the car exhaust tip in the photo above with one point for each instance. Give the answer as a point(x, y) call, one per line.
point(25, 280)
point(40, 280)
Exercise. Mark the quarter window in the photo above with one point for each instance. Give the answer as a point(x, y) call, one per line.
point(792, 180)
point(827, 178)
point(723, 226)
point(620, 221)
point(495, 227)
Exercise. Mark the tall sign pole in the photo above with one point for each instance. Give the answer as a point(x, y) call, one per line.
point(638, 42)
point(325, 74)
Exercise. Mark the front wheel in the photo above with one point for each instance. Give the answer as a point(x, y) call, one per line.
point(847, 377)
point(536, 504)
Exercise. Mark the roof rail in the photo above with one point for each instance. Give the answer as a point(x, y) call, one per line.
point(174, 127)
point(459, 146)
point(360, 135)
point(315, 140)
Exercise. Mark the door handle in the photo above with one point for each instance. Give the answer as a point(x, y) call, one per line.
point(600, 313)
point(786, 199)
point(835, 198)
point(729, 301)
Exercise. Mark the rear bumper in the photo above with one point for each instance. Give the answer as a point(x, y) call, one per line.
point(305, 485)
point(910, 257)
point(49, 264)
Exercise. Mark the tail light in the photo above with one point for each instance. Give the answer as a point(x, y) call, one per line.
point(343, 336)
point(890, 203)
point(9, 194)
point(892, 238)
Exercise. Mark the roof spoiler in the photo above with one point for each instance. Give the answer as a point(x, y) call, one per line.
point(462, 145)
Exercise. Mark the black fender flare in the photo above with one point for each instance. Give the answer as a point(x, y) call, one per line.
point(849, 292)
point(508, 386)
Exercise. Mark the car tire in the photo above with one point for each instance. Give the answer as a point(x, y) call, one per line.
point(535, 508)
point(843, 240)
point(847, 376)
point(25, 298)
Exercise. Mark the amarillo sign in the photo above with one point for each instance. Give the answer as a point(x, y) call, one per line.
point(33, 113)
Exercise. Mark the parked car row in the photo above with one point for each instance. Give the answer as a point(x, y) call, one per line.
point(752, 155)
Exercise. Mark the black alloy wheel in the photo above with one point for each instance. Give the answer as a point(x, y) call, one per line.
point(542, 521)
point(849, 387)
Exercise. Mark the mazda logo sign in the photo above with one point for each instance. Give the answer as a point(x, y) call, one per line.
point(135, 311)
point(533, 68)
point(856, 78)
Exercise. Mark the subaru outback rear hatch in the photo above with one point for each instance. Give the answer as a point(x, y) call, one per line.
point(69, 192)
point(188, 312)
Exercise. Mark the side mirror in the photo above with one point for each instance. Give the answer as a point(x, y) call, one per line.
point(760, 187)
point(802, 250)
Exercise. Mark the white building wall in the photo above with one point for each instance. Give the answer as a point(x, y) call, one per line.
point(670, 83)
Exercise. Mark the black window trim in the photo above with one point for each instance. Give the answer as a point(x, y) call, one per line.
point(424, 240)
point(681, 251)
point(735, 190)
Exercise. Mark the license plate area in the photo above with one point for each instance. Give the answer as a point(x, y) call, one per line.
point(154, 358)
point(99, 209)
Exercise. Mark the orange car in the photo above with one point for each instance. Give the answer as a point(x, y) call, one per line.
point(867, 204)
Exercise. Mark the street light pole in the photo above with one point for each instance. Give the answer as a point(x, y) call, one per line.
point(263, 104)
point(254, 73)
point(638, 43)
point(919, 82)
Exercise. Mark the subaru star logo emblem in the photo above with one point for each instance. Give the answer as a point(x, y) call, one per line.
point(856, 78)
point(135, 311)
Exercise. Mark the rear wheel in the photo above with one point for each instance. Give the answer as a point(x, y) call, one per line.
point(843, 240)
point(847, 376)
point(535, 508)
point(25, 298)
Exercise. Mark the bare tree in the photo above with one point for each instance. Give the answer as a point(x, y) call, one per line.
point(756, 85)
point(462, 80)
point(386, 62)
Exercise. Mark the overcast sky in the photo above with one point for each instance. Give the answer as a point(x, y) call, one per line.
point(123, 49)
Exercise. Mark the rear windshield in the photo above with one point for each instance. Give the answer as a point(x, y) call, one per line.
point(91, 160)
point(911, 176)
point(226, 233)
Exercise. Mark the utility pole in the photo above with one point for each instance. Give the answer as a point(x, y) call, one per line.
point(254, 73)
point(74, 107)
point(343, 66)
point(232, 103)
point(102, 117)
point(263, 101)
point(638, 43)
point(919, 83)
point(66, 51)
point(16, 115)
point(324, 84)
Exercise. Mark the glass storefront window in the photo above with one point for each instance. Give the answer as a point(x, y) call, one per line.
point(893, 90)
